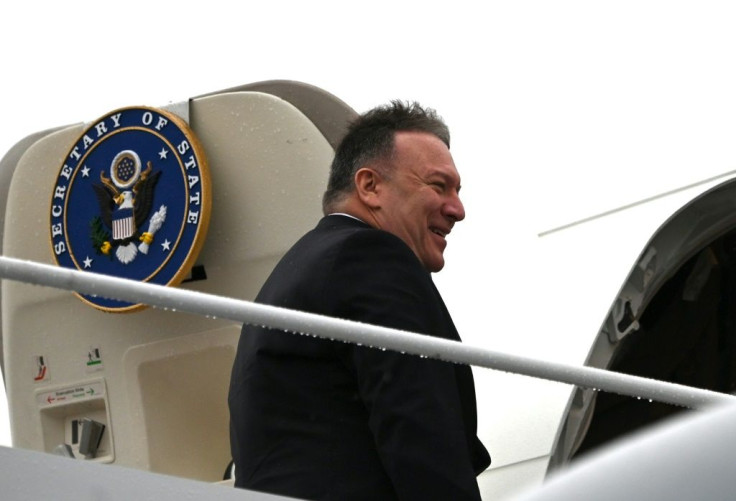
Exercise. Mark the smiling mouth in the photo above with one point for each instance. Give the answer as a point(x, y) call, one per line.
point(439, 232)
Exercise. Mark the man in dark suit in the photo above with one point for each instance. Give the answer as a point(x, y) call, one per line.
point(320, 419)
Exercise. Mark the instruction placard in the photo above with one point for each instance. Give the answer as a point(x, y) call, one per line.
point(71, 394)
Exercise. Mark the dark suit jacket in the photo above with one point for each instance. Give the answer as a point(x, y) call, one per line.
point(321, 419)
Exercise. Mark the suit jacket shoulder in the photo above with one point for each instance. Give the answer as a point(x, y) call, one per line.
point(347, 269)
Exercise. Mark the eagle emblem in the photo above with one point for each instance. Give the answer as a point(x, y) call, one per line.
point(132, 200)
point(125, 199)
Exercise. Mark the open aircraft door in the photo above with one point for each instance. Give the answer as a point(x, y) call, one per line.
point(674, 320)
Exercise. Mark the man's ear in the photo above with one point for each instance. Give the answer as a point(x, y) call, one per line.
point(368, 186)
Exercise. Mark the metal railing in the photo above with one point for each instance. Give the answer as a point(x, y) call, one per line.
point(214, 306)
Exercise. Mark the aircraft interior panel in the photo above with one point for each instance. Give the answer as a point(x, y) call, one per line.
point(148, 388)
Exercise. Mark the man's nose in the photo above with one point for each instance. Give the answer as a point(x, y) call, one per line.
point(454, 208)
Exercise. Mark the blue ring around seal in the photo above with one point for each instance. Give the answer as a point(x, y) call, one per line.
point(87, 201)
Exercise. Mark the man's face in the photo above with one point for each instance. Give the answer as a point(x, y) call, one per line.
point(420, 202)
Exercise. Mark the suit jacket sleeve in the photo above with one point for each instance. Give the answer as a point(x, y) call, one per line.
point(415, 409)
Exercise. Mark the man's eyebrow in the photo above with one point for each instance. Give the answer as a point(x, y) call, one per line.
point(443, 173)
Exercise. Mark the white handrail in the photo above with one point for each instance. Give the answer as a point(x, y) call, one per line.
point(354, 332)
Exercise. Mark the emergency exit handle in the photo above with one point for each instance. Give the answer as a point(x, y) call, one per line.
point(91, 437)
